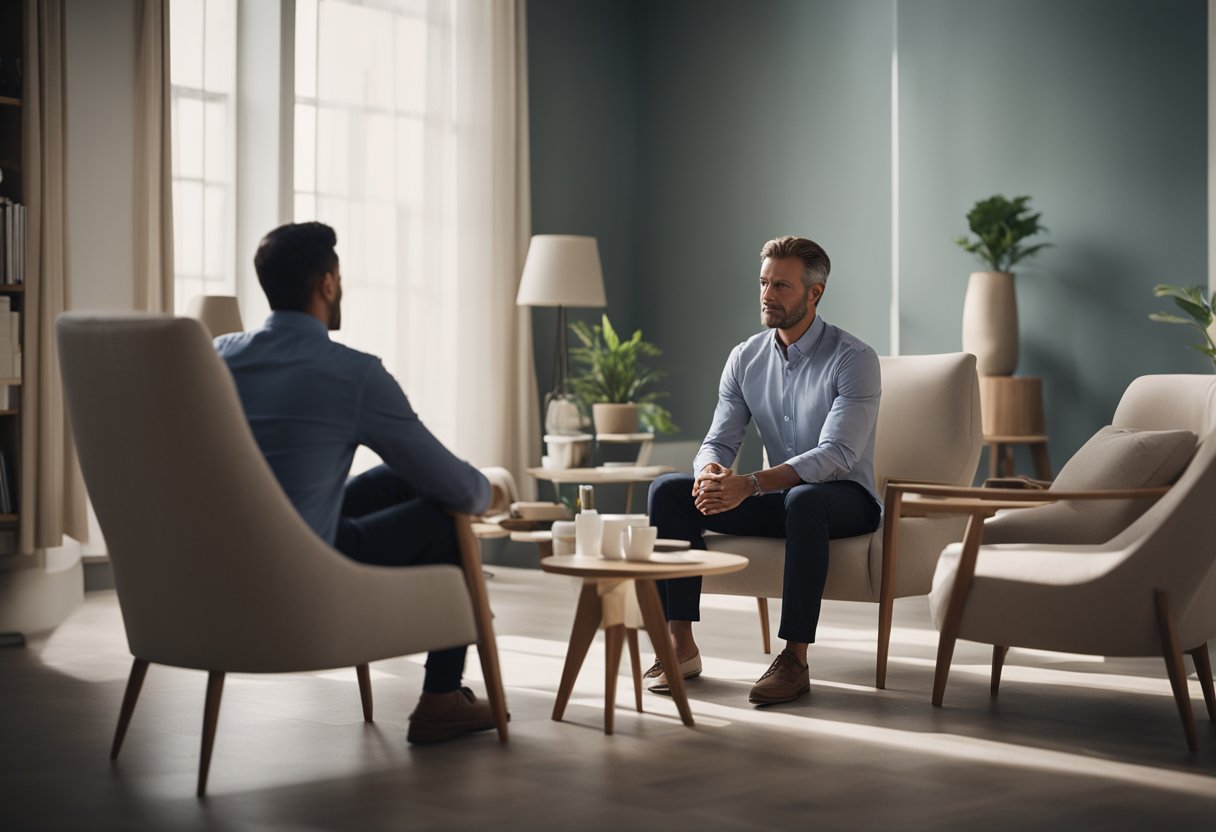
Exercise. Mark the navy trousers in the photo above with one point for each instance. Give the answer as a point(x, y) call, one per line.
point(807, 516)
point(384, 522)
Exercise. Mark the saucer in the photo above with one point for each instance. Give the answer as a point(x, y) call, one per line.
point(669, 544)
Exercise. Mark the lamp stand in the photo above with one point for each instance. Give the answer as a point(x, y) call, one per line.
point(562, 415)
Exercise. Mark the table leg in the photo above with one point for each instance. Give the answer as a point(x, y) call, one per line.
point(1007, 467)
point(614, 636)
point(635, 659)
point(1042, 464)
point(628, 497)
point(586, 622)
point(994, 452)
point(656, 627)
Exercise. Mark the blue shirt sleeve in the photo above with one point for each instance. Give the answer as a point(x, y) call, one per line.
point(388, 425)
point(725, 437)
point(850, 422)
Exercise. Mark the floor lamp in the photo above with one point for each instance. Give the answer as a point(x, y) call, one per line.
point(562, 270)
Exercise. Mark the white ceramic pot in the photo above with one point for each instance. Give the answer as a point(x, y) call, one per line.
point(990, 323)
point(615, 418)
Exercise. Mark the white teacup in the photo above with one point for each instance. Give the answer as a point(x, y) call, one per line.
point(563, 537)
point(639, 542)
point(610, 545)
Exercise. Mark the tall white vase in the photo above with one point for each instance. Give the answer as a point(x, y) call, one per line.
point(990, 323)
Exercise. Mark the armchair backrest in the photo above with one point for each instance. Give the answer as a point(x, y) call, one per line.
point(928, 419)
point(1169, 402)
point(191, 512)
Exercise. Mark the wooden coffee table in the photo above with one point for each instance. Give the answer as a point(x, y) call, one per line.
point(608, 588)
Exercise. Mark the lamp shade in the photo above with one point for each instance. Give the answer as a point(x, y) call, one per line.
point(562, 270)
point(220, 314)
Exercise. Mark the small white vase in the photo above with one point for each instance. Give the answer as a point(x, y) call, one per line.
point(990, 323)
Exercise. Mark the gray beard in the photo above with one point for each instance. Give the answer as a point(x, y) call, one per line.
point(792, 317)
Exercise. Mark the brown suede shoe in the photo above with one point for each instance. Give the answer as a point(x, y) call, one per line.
point(785, 680)
point(444, 716)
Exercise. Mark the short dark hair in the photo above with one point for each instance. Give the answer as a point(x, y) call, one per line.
point(291, 259)
point(815, 263)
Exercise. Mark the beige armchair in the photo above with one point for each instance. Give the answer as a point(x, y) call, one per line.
point(214, 568)
point(928, 431)
point(1145, 589)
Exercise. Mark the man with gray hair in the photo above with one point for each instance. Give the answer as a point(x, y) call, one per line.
point(813, 390)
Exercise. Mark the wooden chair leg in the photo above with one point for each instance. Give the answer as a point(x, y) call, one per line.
point(135, 682)
point(211, 716)
point(998, 663)
point(487, 645)
point(954, 610)
point(886, 590)
point(762, 605)
point(365, 690)
point(1203, 669)
point(1175, 668)
point(635, 663)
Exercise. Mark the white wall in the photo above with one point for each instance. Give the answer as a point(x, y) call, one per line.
point(101, 147)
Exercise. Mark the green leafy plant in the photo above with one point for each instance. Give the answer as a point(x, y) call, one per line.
point(613, 370)
point(1001, 224)
point(1194, 301)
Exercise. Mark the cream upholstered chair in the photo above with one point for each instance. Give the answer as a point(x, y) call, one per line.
point(1150, 589)
point(219, 314)
point(214, 568)
point(928, 431)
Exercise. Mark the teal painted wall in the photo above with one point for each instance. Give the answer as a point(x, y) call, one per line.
point(1097, 109)
point(582, 120)
point(757, 120)
point(684, 134)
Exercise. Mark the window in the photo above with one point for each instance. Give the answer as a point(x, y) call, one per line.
point(367, 150)
point(203, 78)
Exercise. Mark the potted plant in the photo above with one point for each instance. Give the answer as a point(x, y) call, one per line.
point(990, 312)
point(1192, 300)
point(613, 379)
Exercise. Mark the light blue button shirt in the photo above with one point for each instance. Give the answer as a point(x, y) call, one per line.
point(816, 409)
point(311, 401)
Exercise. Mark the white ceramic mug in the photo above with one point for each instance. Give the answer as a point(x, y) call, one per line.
point(610, 546)
point(639, 542)
point(563, 537)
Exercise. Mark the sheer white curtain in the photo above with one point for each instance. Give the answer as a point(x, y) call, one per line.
point(411, 140)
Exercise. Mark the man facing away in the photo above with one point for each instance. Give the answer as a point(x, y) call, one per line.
point(310, 402)
point(813, 390)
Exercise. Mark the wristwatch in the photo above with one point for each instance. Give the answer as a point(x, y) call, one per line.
point(757, 491)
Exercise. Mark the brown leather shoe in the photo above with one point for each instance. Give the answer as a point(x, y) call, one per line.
point(444, 716)
point(785, 680)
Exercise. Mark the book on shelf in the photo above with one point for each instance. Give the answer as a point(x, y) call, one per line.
point(12, 242)
point(6, 495)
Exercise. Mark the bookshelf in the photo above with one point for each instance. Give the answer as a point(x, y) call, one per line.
point(12, 294)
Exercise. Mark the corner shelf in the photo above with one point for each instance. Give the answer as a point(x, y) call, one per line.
point(11, 287)
point(9, 101)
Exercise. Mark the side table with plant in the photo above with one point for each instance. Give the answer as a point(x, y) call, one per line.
point(613, 378)
point(990, 312)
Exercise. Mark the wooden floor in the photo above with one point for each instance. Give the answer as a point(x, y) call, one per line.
point(1073, 742)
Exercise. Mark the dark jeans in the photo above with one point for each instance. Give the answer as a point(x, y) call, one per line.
point(807, 516)
point(383, 522)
